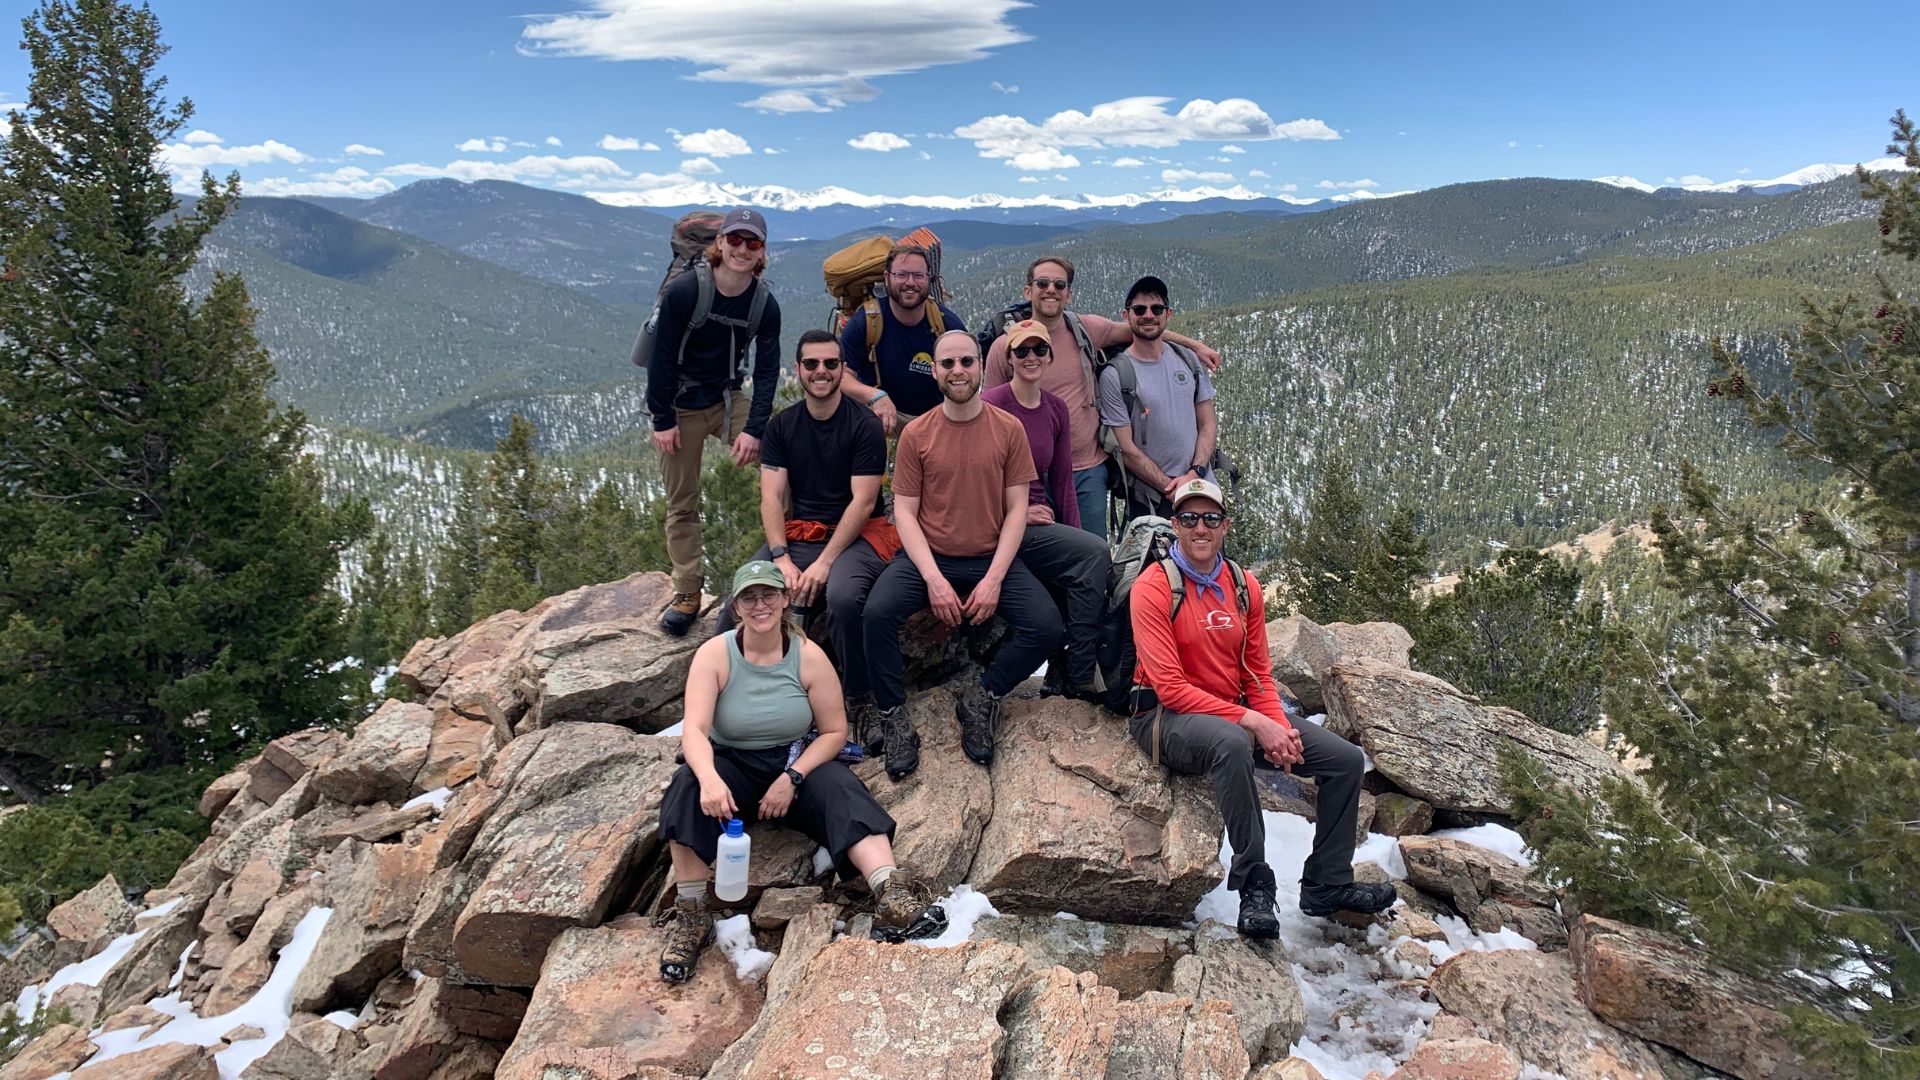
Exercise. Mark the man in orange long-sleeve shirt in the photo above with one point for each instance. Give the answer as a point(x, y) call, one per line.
point(1206, 704)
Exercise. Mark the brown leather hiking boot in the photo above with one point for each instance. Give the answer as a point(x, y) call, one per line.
point(681, 612)
point(691, 930)
point(903, 911)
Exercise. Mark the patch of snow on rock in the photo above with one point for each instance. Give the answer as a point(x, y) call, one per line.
point(735, 937)
point(964, 907)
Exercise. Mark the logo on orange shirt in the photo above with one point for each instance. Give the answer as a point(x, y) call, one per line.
point(1218, 620)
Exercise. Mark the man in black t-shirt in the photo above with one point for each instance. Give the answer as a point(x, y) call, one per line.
point(828, 454)
point(894, 376)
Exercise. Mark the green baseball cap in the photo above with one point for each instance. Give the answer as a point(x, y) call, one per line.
point(758, 572)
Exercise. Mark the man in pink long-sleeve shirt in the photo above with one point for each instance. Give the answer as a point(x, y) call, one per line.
point(1206, 704)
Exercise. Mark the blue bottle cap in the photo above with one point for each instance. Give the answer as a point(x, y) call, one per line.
point(734, 827)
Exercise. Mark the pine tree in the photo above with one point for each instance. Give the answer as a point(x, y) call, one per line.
point(1777, 825)
point(457, 567)
point(1520, 633)
point(517, 508)
point(373, 599)
point(412, 611)
point(1340, 566)
point(166, 562)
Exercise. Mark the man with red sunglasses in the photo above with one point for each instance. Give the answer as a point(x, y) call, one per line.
point(694, 384)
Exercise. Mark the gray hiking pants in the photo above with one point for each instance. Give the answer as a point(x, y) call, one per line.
point(1201, 744)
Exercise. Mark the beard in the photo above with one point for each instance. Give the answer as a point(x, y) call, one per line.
point(962, 393)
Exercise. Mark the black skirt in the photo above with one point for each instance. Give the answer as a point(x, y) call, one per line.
point(832, 808)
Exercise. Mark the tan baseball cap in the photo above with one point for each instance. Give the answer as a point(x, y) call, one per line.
point(1198, 489)
point(1027, 330)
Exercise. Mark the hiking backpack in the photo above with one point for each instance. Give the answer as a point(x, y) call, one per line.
point(856, 280)
point(692, 235)
point(1147, 541)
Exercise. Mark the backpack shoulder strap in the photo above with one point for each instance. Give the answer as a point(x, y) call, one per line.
point(1129, 376)
point(1090, 357)
point(703, 298)
point(875, 326)
point(935, 321)
point(1176, 586)
point(1240, 587)
point(754, 311)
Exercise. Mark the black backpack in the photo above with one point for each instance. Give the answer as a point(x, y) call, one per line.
point(691, 236)
point(1147, 541)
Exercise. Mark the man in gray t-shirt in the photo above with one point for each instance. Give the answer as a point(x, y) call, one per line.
point(1168, 436)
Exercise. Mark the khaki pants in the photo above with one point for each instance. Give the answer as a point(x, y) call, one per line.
point(680, 471)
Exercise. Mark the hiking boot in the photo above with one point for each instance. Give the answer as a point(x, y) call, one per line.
point(691, 930)
point(1257, 899)
point(1359, 897)
point(681, 612)
point(863, 724)
point(979, 715)
point(904, 912)
point(901, 741)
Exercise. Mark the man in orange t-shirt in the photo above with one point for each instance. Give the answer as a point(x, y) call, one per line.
point(960, 479)
point(1206, 704)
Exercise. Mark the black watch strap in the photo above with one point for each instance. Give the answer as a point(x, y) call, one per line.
point(795, 775)
point(774, 553)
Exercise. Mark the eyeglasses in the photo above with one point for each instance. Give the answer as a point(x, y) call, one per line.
point(907, 275)
point(811, 364)
point(761, 598)
point(1142, 309)
point(1038, 348)
point(746, 240)
point(948, 363)
point(1056, 284)
point(1190, 518)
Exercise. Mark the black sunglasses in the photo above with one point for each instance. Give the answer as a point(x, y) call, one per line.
point(948, 362)
point(811, 364)
point(1142, 309)
point(1190, 518)
point(750, 241)
point(1038, 348)
point(1056, 284)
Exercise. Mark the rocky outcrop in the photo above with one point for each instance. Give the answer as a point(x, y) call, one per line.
point(1132, 960)
point(601, 1009)
point(60, 1048)
point(1303, 652)
point(1459, 1058)
point(382, 760)
point(1395, 814)
point(373, 891)
point(1441, 745)
point(94, 917)
point(1660, 988)
point(941, 810)
point(168, 1061)
point(1163, 1037)
point(1488, 889)
point(1256, 978)
point(1525, 1001)
point(1083, 822)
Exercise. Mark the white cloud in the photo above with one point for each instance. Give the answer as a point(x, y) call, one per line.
point(1127, 163)
point(1045, 157)
point(1232, 149)
point(879, 142)
point(1131, 122)
point(713, 142)
point(1348, 185)
point(1742, 172)
point(362, 149)
point(771, 150)
point(198, 137)
point(492, 144)
point(181, 156)
point(541, 167)
point(1257, 174)
point(553, 140)
point(1695, 178)
point(618, 142)
point(1513, 144)
point(699, 165)
point(1287, 187)
point(792, 101)
point(1004, 88)
point(1029, 179)
point(349, 183)
point(1181, 176)
point(924, 156)
point(779, 43)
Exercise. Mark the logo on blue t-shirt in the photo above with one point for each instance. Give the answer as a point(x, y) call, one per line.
point(922, 363)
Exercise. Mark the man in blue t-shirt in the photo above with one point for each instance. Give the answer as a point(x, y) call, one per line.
point(895, 374)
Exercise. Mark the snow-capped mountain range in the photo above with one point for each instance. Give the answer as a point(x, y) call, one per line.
point(785, 199)
point(1811, 174)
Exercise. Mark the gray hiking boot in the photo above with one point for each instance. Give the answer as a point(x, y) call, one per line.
point(902, 742)
point(979, 716)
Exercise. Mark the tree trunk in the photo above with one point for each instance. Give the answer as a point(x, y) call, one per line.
point(23, 789)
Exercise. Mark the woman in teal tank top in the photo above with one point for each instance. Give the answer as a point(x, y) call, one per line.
point(751, 693)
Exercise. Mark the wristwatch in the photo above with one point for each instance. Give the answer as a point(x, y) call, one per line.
point(796, 776)
point(774, 553)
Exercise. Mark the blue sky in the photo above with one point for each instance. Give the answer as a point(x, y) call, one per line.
point(1019, 99)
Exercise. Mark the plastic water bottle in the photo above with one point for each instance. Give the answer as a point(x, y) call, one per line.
point(730, 866)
